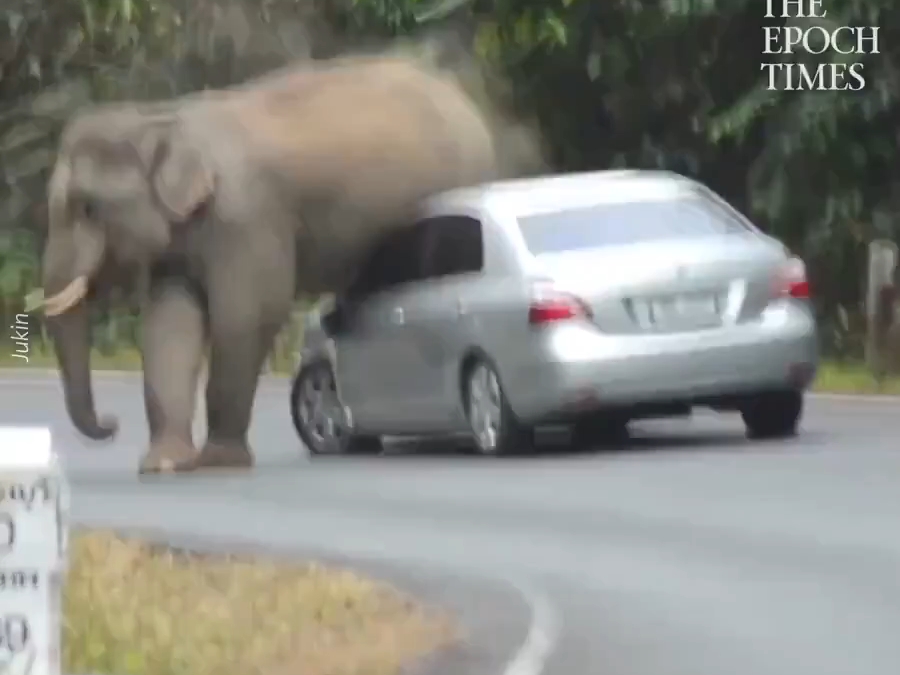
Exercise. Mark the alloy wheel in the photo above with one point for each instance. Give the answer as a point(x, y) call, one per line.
point(320, 411)
point(485, 408)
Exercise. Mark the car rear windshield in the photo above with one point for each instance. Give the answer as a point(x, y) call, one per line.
point(628, 223)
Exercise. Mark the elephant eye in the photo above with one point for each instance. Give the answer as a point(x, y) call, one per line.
point(87, 208)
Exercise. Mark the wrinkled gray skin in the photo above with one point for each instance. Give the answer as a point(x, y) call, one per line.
point(227, 205)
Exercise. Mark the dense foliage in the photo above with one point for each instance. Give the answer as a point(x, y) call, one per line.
point(644, 83)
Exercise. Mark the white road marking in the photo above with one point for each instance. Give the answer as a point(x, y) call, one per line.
point(542, 637)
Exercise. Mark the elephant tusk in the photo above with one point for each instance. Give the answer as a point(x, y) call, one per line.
point(67, 298)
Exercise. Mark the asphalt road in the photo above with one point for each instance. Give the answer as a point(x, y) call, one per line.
point(693, 552)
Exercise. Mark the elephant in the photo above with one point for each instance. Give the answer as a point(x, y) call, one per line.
point(230, 204)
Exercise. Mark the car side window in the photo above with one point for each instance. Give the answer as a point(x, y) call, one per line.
point(405, 257)
point(397, 259)
point(454, 245)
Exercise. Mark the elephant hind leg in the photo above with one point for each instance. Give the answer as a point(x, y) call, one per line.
point(173, 347)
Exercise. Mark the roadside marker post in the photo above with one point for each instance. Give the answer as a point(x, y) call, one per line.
point(34, 505)
point(880, 302)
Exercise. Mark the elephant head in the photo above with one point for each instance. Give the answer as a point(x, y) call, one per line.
point(123, 179)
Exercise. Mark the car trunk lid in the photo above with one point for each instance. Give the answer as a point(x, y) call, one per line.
point(669, 286)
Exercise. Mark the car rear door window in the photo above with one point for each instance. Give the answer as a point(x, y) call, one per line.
point(396, 260)
point(615, 224)
point(453, 245)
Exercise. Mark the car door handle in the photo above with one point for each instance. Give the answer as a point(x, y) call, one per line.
point(398, 317)
point(461, 309)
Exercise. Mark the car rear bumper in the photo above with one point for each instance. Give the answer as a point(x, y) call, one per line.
point(581, 370)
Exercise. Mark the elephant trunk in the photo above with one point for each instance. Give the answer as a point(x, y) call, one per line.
point(70, 328)
point(71, 340)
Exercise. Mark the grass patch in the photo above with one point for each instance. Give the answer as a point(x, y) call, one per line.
point(134, 609)
point(121, 359)
point(852, 378)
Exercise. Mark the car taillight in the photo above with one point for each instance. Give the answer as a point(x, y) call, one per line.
point(549, 307)
point(791, 281)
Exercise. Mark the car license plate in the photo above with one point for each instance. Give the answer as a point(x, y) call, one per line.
point(680, 309)
point(695, 306)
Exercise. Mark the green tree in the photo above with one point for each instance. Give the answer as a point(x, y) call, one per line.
point(670, 83)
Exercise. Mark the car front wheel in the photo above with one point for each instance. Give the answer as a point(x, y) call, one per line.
point(773, 414)
point(318, 414)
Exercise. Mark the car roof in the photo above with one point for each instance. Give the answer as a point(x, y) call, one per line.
point(572, 190)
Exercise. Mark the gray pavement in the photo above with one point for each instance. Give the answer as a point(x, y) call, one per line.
point(692, 552)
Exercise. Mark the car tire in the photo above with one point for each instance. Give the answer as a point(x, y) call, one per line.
point(325, 432)
point(600, 429)
point(494, 427)
point(773, 414)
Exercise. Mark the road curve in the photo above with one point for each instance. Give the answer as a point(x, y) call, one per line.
point(694, 552)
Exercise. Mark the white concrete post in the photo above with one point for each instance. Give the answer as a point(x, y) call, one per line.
point(34, 507)
point(882, 264)
point(879, 304)
point(199, 427)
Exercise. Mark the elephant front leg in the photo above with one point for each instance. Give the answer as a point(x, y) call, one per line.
point(236, 358)
point(250, 291)
point(173, 347)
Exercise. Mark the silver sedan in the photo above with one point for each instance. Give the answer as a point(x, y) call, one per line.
point(587, 299)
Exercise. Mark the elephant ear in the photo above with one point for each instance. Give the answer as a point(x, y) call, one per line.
point(181, 179)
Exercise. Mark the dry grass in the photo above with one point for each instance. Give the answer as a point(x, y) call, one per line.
point(130, 608)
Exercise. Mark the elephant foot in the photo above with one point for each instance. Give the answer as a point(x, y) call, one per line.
point(227, 455)
point(168, 455)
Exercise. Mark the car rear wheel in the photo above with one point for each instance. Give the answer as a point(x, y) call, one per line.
point(495, 429)
point(773, 415)
point(319, 418)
